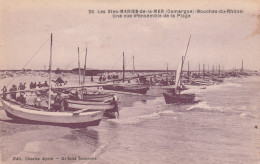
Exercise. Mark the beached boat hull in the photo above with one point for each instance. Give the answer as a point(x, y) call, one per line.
point(172, 98)
point(91, 106)
point(129, 88)
point(97, 97)
point(17, 112)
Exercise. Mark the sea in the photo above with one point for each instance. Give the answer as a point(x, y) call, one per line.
point(223, 127)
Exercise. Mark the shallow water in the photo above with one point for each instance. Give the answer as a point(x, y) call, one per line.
point(222, 128)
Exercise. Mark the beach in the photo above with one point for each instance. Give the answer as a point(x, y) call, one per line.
point(222, 128)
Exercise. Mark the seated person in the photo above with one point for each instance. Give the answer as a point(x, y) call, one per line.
point(37, 100)
point(22, 98)
point(58, 103)
point(74, 95)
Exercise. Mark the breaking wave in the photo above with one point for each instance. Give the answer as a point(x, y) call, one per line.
point(245, 115)
point(204, 106)
point(139, 119)
point(201, 89)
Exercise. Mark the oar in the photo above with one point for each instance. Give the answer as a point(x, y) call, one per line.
point(26, 90)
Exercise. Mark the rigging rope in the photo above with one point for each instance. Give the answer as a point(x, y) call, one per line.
point(116, 62)
point(129, 60)
point(73, 60)
point(34, 54)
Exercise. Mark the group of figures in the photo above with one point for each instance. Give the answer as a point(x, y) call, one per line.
point(39, 85)
point(14, 88)
point(109, 77)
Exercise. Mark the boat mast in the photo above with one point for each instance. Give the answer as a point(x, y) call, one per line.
point(199, 69)
point(167, 67)
point(85, 66)
point(123, 67)
point(219, 69)
point(242, 68)
point(134, 64)
point(181, 69)
point(203, 71)
point(50, 63)
point(79, 65)
point(188, 71)
point(178, 77)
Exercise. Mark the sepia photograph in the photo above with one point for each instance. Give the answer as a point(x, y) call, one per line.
point(129, 82)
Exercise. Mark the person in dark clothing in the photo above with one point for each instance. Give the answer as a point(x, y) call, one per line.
point(58, 103)
point(22, 98)
point(45, 84)
point(31, 85)
point(39, 85)
point(4, 91)
point(13, 89)
point(100, 79)
point(20, 87)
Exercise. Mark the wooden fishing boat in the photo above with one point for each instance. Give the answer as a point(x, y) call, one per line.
point(171, 97)
point(98, 97)
point(175, 96)
point(74, 105)
point(133, 88)
point(93, 102)
point(45, 115)
point(128, 88)
point(30, 114)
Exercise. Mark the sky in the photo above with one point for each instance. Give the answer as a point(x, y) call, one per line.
point(216, 39)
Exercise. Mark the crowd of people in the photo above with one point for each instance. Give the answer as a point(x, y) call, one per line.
point(21, 87)
point(109, 77)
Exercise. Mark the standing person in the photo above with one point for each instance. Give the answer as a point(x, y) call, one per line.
point(4, 92)
point(115, 102)
point(31, 85)
point(100, 79)
point(13, 89)
point(45, 84)
point(20, 87)
point(39, 85)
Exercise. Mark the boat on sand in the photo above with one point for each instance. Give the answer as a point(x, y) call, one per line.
point(48, 114)
point(30, 114)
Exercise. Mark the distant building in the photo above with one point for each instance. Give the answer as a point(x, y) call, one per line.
point(89, 71)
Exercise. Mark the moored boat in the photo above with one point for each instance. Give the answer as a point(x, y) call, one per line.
point(45, 114)
point(171, 97)
point(97, 97)
point(128, 88)
point(175, 95)
point(74, 105)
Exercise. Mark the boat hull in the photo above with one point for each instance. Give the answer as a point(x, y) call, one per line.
point(172, 98)
point(17, 112)
point(132, 89)
point(82, 104)
point(97, 97)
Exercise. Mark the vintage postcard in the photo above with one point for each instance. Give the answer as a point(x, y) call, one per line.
point(126, 82)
